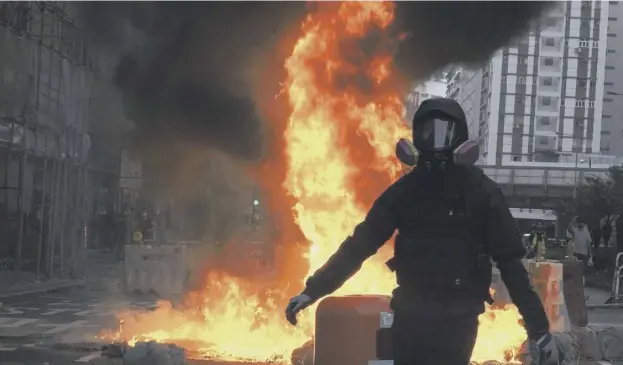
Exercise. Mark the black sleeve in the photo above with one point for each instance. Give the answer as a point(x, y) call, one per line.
point(505, 247)
point(367, 238)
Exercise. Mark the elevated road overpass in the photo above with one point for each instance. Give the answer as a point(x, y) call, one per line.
point(540, 186)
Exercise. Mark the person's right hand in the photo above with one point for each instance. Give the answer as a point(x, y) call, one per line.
point(297, 304)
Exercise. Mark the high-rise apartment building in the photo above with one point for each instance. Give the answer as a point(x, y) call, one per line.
point(428, 90)
point(465, 86)
point(541, 97)
point(612, 115)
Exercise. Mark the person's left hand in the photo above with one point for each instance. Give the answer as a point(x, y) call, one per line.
point(543, 351)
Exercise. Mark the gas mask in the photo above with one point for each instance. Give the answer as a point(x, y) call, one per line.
point(437, 143)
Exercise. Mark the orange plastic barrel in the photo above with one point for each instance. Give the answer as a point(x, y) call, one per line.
point(346, 329)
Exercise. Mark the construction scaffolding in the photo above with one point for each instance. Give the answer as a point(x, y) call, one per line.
point(47, 184)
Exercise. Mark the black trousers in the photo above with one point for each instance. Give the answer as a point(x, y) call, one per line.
point(424, 340)
point(583, 258)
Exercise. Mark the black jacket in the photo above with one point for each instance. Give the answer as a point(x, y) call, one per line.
point(502, 242)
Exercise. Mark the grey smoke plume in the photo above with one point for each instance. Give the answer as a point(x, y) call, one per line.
point(196, 75)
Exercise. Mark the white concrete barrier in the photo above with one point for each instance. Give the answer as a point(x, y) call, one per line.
point(159, 269)
point(547, 279)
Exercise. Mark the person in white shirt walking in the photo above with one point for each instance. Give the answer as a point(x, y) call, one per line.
point(582, 242)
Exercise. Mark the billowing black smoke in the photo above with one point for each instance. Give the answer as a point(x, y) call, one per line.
point(439, 33)
point(195, 76)
point(187, 68)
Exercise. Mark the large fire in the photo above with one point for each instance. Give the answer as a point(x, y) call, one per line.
point(345, 119)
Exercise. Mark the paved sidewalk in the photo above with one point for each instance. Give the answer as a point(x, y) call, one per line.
point(97, 262)
point(12, 285)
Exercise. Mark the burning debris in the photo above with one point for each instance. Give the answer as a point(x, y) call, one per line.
point(146, 353)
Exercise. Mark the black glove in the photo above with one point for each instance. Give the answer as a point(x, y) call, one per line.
point(543, 351)
point(297, 304)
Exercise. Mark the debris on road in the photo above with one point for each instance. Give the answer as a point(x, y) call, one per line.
point(303, 355)
point(153, 353)
point(114, 350)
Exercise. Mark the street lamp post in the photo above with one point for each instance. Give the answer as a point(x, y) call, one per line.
point(576, 142)
point(575, 177)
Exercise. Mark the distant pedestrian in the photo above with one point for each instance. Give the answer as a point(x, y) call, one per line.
point(582, 242)
point(147, 226)
point(606, 231)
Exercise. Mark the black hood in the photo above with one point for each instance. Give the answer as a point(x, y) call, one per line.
point(437, 107)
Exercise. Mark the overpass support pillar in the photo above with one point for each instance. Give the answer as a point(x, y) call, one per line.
point(562, 222)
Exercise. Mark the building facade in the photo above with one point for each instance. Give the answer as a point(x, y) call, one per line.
point(52, 163)
point(612, 116)
point(465, 86)
point(421, 92)
point(541, 97)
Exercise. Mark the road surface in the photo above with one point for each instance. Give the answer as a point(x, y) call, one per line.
point(602, 316)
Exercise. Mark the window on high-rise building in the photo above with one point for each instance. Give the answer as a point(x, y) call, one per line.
point(547, 103)
point(546, 123)
point(548, 61)
point(542, 140)
point(611, 51)
point(548, 83)
point(553, 22)
point(550, 42)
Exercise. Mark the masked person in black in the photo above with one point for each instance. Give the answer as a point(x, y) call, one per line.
point(451, 221)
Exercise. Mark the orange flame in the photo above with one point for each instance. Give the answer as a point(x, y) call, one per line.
point(346, 116)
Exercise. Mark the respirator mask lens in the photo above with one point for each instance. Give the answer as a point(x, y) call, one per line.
point(436, 135)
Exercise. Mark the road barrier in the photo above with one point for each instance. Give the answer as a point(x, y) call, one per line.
point(346, 329)
point(159, 269)
point(548, 280)
point(573, 285)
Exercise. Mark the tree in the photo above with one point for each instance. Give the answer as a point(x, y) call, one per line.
point(598, 198)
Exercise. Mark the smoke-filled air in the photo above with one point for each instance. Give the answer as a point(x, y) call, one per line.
point(307, 100)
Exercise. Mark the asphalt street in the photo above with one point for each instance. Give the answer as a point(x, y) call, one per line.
point(37, 329)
